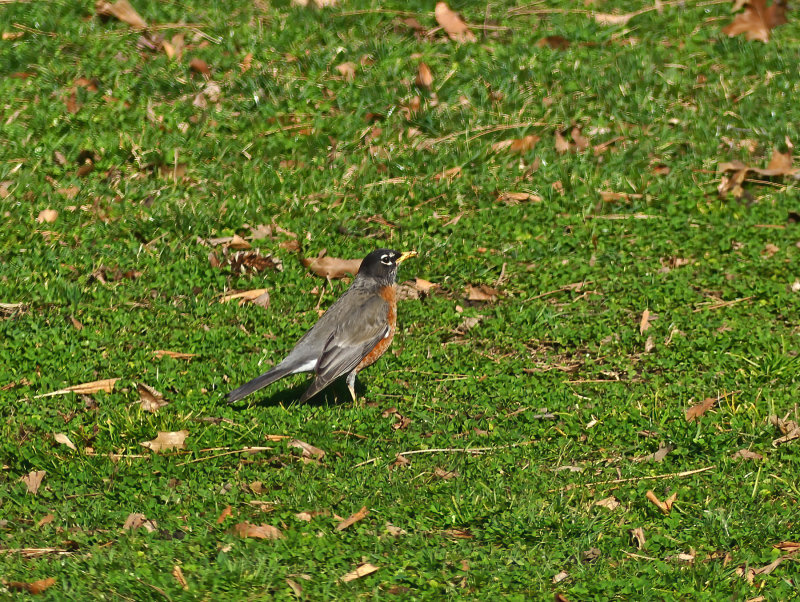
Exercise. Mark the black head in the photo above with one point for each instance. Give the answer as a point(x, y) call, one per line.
point(381, 265)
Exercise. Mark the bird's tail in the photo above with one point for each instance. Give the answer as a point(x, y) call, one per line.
point(259, 382)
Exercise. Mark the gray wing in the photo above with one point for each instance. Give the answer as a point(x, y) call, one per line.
point(353, 338)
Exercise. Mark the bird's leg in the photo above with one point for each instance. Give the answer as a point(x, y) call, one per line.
point(351, 384)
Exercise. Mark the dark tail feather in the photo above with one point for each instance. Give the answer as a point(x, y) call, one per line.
point(257, 383)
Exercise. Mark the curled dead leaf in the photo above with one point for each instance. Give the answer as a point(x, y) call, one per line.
point(33, 480)
point(166, 441)
point(47, 216)
point(106, 385)
point(150, 400)
point(697, 410)
point(352, 519)
point(331, 267)
point(262, 531)
point(64, 440)
point(259, 296)
point(362, 570)
point(424, 76)
point(482, 293)
point(308, 450)
point(174, 354)
point(347, 71)
point(611, 19)
point(757, 20)
point(609, 502)
point(121, 10)
point(177, 572)
point(453, 25)
point(34, 587)
point(666, 505)
point(136, 520)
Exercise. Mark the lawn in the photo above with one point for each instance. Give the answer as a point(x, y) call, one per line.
point(593, 389)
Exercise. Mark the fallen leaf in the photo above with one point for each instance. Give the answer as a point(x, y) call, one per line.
point(395, 531)
point(560, 576)
point(657, 456)
point(766, 570)
point(562, 146)
point(150, 400)
point(609, 502)
point(746, 454)
point(453, 25)
point(610, 19)
point(353, 518)
point(259, 296)
point(33, 480)
point(638, 537)
point(296, 589)
point(554, 42)
point(789, 428)
point(448, 174)
point(788, 546)
point(513, 198)
point(308, 450)
point(34, 587)
point(757, 20)
point(517, 145)
point(362, 570)
point(424, 76)
point(697, 410)
point(47, 216)
point(96, 386)
point(200, 66)
point(347, 71)
point(177, 572)
point(666, 505)
point(121, 10)
point(76, 323)
point(424, 286)
point(136, 520)
point(46, 520)
point(166, 441)
point(245, 262)
point(591, 555)
point(226, 512)
point(644, 322)
point(482, 293)
point(331, 267)
point(445, 475)
point(64, 440)
point(261, 531)
point(174, 354)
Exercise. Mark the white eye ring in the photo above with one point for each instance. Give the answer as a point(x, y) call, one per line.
point(385, 259)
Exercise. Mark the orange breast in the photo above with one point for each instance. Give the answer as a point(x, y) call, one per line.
point(388, 294)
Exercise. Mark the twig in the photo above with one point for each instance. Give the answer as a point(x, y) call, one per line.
point(566, 287)
point(30, 552)
point(27, 29)
point(449, 450)
point(721, 304)
point(297, 126)
point(616, 216)
point(244, 450)
point(635, 479)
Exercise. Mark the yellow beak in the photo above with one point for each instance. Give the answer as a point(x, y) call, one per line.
point(406, 255)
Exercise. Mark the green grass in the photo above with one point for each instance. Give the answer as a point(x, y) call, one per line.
point(289, 142)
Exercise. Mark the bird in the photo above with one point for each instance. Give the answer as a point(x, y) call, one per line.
point(352, 334)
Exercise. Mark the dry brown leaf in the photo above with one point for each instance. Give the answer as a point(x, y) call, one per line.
point(424, 286)
point(308, 450)
point(261, 531)
point(757, 20)
point(395, 531)
point(554, 42)
point(174, 354)
point(517, 145)
point(150, 400)
point(46, 520)
point(226, 512)
point(666, 505)
point(34, 587)
point(424, 76)
point(177, 572)
point(166, 441)
point(697, 410)
point(644, 322)
point(121, 10)
point(362, 570)
point(347, 71)
point(609, 502)
point(238, 243)
point(448, 174)
point(297, 590)
point(331, 267)
point(47, 216)
point(76, 323)
point(453, 25)
point(562, 145)
point(790, 547)
point(33, 480)
point(352, 519)
point(482, 293)
point(560, 576)
point(259, 296)
point(638, 537)
point(136, 520)
point(513, 198)
point(657, 456)
point(445, 475)
point(96, 386)
point(746, 454)
point(200, 66)
point(64, 440)
point(609, 19)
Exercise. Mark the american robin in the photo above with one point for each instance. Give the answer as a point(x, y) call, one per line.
point(355, 331)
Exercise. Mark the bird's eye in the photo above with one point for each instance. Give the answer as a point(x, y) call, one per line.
point(386, 259)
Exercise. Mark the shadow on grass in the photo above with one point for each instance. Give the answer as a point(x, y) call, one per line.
point(336, 394)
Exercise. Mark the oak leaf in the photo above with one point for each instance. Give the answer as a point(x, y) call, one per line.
point(453, 25)
point(757, 20)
